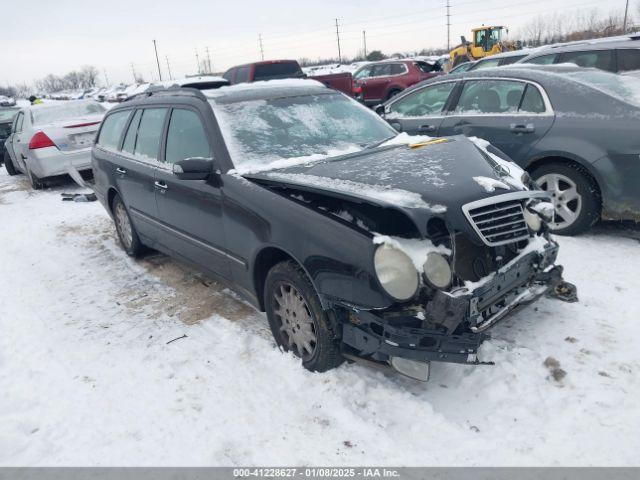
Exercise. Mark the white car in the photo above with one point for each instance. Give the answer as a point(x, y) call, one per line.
point(47, 140)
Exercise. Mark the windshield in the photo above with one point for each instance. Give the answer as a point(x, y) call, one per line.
point(627, 88)
point(7, 114)
point(261, 132)
point(73, 109)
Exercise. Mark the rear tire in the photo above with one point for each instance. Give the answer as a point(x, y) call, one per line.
point(297, 320)
point(8, 164)
point(36, 183)
point(573, 191)
point(124, 227)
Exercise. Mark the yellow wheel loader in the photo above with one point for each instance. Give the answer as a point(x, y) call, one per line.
point(486, 41)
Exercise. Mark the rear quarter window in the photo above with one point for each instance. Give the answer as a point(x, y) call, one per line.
point(111, 130)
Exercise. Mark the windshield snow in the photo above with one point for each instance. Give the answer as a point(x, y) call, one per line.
point(74, 109)
point(264, 132)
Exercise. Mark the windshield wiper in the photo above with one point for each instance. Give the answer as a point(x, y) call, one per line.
point(377, 144)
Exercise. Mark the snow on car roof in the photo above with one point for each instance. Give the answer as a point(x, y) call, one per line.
point(289, 86)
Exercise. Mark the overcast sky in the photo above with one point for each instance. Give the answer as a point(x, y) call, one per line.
point(55, 36)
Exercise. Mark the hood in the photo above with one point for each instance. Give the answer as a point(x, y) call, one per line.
point(435, 179)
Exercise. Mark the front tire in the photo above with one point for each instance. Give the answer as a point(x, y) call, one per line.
point(297, 320)
point(8, 164)
point(574, 194)
point(124, 227)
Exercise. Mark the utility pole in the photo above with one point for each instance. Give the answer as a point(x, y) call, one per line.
point(261, 47)
point(626, 15)
point(168, 67)
point(338, 36)
point(106, 79)
point(157, 60)
point(449, 25)
point(364, 39)
point(133, 71)
point(198, 61)
point(208, 60)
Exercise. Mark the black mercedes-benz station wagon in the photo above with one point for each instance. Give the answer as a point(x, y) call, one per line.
point(358, 243)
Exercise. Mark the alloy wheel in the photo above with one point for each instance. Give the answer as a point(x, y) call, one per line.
point(565, 198)
point(296, 323)
point(123, 225)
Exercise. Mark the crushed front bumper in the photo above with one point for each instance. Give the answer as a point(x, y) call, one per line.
point(462, 317)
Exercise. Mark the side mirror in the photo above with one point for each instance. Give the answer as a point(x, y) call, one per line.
point(379, 109)
point(196, 168)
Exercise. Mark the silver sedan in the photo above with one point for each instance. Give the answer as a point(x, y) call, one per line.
point(54, 139)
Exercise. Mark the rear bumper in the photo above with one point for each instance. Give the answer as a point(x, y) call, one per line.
point(50, 161)
point(383, 335)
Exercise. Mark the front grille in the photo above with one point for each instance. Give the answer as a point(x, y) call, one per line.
point(498, 222)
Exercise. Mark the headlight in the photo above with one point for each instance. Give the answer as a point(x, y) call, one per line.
point(396, 272)
point(533, 220)
point(437, 270)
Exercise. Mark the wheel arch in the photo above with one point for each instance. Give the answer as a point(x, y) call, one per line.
point(567, 160)
point(111, 194)
point(265, 260)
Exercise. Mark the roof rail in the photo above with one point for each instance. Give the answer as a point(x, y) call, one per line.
point(168, 92)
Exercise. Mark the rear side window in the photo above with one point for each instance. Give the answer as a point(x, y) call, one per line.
point(111, 130)
point(398, 68)
point(281, 69)
point(242, 75)
point(186, 137)
point(543, 60)
point(601, 59)
point(130, 139)
point(490, 96)
point(628, 60)
point(18, 125)
point(150, 132)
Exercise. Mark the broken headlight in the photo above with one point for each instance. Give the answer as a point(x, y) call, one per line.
point(396, 272)
point(437, 271)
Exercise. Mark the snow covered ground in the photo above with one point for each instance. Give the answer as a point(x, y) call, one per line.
point(88, 376)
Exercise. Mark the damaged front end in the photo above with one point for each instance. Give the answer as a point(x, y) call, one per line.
point(510, 264)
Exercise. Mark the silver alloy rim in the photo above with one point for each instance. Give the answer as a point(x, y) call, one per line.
point(565, 197)
point(296, 323)
point(123, 225)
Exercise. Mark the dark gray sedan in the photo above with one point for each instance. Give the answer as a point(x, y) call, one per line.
point(577, 131)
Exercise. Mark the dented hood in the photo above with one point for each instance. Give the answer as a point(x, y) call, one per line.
point(434, 179)
point(439, 173)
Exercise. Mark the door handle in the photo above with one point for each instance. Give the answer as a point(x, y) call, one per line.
point(161, 185)
point(518, 128)
point(121, 171)
point(427, 128)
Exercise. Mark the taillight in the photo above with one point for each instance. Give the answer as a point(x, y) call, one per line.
point(357, 89)
point(40, 140)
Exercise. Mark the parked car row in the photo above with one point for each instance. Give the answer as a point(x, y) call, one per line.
point(358, 241)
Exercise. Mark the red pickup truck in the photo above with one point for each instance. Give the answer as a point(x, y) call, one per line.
point(378, 82)
point(273, 69)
